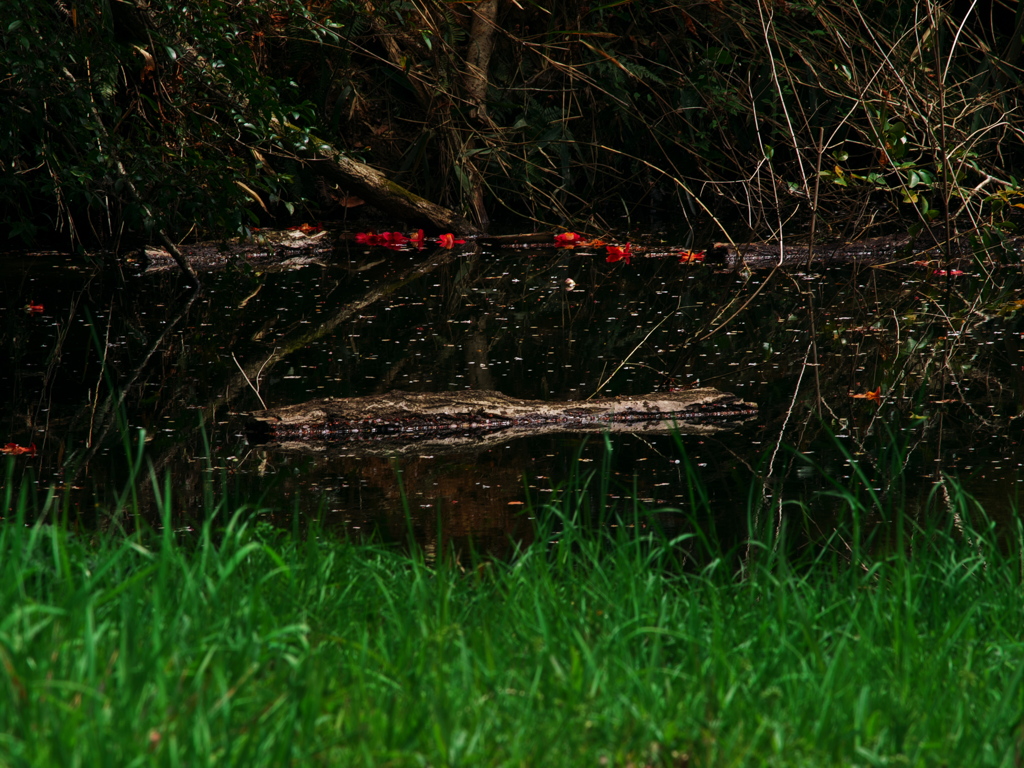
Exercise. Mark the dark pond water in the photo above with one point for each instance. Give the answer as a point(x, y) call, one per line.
point(109, 353)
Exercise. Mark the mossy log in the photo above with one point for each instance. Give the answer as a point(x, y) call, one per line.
point(473, 417)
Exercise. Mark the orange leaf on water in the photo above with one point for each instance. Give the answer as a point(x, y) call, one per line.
point(875, 396)
point(567, 239)
point(33, 309)
point(13, 449)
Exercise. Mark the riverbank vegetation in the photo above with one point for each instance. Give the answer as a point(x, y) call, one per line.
point(601, 643)
point(137, 120)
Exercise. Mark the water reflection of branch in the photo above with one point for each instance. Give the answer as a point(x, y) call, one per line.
point(625, 360)
point(733, 316)
point(107, 412)
point(299, 341)
point(247, 381)
point(788, 414)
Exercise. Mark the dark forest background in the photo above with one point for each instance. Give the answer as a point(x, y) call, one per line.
point(122, 118)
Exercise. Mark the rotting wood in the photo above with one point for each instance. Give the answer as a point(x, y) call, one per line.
point(901, 248)
point(275, 249)
point(271, 249)
point(379, 191)
point(468, 417)
point(870, 251)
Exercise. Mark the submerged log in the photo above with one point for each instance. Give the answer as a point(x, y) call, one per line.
point(928, 246)
point(869, 251)
point(471, 416)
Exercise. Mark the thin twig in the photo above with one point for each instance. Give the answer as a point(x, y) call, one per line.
point(246, 377)
point(625, 360)
point(814, 201)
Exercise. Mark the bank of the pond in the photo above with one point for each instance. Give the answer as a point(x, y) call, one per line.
point(243, 645)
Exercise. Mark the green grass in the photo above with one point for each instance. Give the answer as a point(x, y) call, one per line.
point(241, 645)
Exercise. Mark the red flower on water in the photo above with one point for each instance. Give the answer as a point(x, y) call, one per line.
point(385, 239)
point(394, 238)
point(34, 309)
point(13, 449)
point(399, 240)
point(448, 240)
point(567, 239)
point(685, 257)
point(619, 253)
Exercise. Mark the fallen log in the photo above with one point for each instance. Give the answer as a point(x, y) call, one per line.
point(886, 249)
point(473, 417)
point(869, 251)
point(270, 249)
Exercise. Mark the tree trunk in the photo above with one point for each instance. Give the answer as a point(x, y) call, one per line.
point(478, 57)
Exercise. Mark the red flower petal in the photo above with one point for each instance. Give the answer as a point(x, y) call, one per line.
point(619, 253)
point(13, 449)
point(568, 239)
point(448, 240)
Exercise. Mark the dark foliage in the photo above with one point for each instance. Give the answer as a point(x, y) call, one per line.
point(773, 110)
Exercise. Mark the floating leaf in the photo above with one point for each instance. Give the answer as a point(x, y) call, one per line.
point(13, 449)
point(875, 396)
